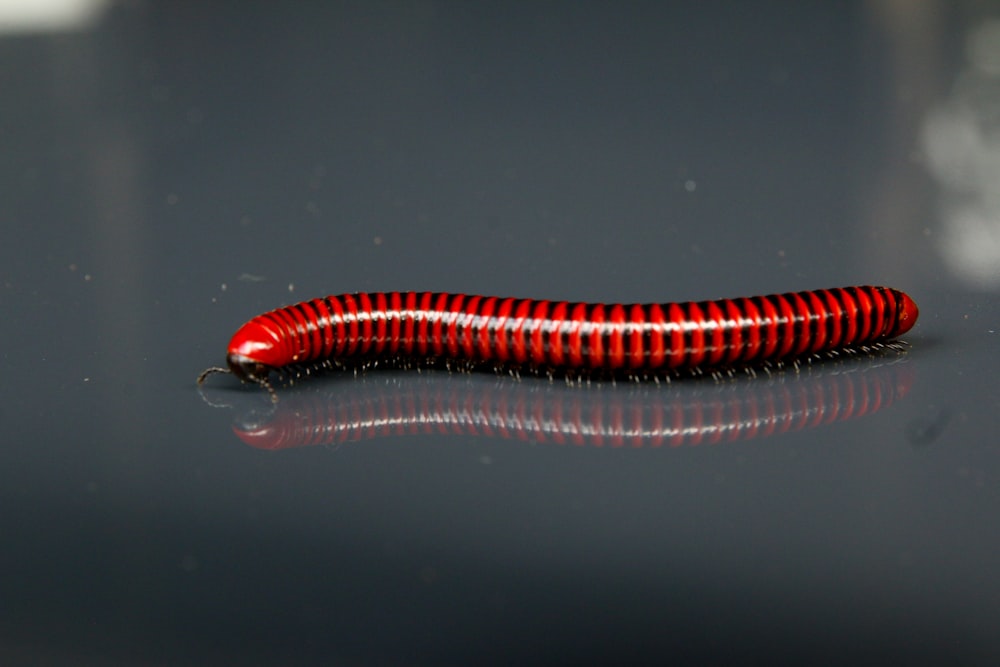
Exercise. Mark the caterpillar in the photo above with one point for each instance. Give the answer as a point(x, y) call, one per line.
point(635, 340)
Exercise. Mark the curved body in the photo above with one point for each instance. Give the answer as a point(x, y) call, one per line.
point(561, 336)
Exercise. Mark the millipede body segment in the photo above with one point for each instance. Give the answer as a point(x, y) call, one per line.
point(566, 337)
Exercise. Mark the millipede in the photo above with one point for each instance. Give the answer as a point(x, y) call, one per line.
point(637, 341)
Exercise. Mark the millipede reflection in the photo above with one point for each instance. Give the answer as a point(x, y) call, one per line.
point(402, 404)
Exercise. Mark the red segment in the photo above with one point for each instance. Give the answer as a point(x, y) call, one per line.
point(438, 316)
point(769, 327)
point(637, 328)
point(833, 318)
point(423, 328)
point(408, 342)
point(380, 322)
point(337, 320)
point(501, 351)
point(657, 331)
point(695, 325)
point(327, 338)
point(803, 319)
point(678, 347)
point(857, 318)
point(595, 341)
point(785, 326)
point(575, 342)
point(539, 324)
point(716, 320)
point(467, 320)
point(616, 340)
point(395, 330)
point(364, 314)
point(557, 351)
point(819, 320)
point(351, 323)
point(312, 337)
point(882, 312)
point(519, 334)
point(752, 344)
point(734, 327)
point(454, 315)
point(485, 326)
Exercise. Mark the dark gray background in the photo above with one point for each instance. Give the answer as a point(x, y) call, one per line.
point(168, 170)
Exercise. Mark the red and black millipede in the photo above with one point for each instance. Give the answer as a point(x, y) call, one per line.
point(634, 340)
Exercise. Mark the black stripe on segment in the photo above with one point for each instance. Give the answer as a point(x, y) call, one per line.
point(765, 327)
point(636, 326)
point(484, 328)
point(894, 311)
point(685, 330)
point(673, 334)
point(439, 333)
point(886, 311)
point(734, 330)
point(712, 332)
point(822, 329)
point(786, 317)
point(383, 315)
point(618, 326)
point(767, 304)
point(500, 347)
point(365, 323)
point(659, 336)
point(323, 326)
point(455, 325)
point(330, 323)
point(424, 321)
point(751, 331)
point(544, 329)
point(786, 325)
point(351, 321)
point(863, 318)
point(333, 322)
point(832, 313)
point(812, 319)
point(600, 335)
point(802, 322)
point(557, 335)
point(467, 332)
point(647, 332)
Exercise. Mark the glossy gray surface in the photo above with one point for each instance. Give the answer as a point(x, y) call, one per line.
point(169, 170)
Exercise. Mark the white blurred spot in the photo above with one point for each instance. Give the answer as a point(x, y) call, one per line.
point(21, 16)
point(983, 47)
point(962, 140)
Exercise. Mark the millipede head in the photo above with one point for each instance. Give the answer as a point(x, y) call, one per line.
point(248, 370)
